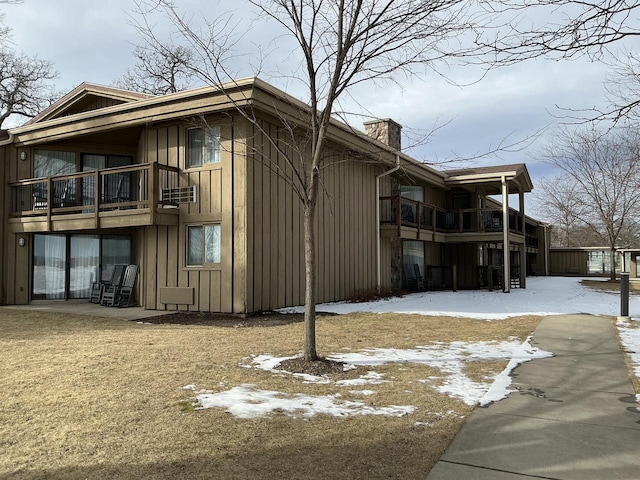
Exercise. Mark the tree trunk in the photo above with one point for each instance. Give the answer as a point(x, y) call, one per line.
point(612, 264)
point(310, 352)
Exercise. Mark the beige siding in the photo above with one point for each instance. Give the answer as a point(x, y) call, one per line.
point(17, 276)
point(345, 228)
point(219, 199)
point(97, 103)
point(4, 206)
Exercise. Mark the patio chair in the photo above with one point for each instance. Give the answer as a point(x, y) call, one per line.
point(121, 295)
point(97, 288)
point(61, 197)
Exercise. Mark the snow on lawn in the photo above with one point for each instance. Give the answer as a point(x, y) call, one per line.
point(630, 336)
point(543, 296)
point(247, 401)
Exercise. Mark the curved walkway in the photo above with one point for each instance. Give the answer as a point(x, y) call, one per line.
point(574, 415)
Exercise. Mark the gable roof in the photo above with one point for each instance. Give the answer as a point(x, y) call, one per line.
point(86, 97)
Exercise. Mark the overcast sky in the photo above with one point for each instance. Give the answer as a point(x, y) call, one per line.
point(92, 41)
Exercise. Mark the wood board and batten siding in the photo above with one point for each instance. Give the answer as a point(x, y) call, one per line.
point(568, 262)
point(345, 227)
point(4, 205)
point(168, 283)
point(15, 282)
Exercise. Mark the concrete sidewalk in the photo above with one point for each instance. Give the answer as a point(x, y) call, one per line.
point(574, 415)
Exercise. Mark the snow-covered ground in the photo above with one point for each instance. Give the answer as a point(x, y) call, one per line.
point(543, 296)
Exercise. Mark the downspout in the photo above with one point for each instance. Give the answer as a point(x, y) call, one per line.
point(378, 247)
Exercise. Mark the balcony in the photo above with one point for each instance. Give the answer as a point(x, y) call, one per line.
point(109, 198)
point(403, 212)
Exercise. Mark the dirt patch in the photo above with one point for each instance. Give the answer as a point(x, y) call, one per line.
point(602, 285)
point(267, 319)
point(312, 367)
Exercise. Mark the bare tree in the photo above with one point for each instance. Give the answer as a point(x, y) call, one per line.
point(158, 72)
point(600, 186)
point(560, 202)
point(24, 88)
point(339, 44)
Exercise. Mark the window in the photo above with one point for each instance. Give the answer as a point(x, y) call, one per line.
point(203, 244)
point(48, 163)
point(595, 262)
point(203, 146)
point(412, 192)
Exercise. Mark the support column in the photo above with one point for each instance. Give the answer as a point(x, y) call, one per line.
point(523, 251)
point(506, 257)
point(523, 265)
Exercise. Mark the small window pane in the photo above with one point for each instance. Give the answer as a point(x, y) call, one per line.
point(194, 245)
point(194, 147)
point(212, 244)
point(212, 145)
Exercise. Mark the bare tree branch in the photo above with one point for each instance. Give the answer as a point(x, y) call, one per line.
point(158, 72)
point(568, 29)
point(342, 44)
point(599, 188)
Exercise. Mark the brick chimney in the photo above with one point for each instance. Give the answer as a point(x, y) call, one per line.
point(386, 131)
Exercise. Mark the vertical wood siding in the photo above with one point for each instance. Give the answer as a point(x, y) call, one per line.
point(4, 205)
point(163, 251)
point(17, 277)
point(345, 227)
point(568, 262)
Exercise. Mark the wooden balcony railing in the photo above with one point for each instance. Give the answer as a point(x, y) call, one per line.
point(121, 188)
point(395, 210)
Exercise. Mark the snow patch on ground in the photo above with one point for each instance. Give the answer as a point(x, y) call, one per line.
point(248, 401)
point(630, 336)
point(543, 296)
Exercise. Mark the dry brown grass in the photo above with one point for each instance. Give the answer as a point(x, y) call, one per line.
point(88, 397)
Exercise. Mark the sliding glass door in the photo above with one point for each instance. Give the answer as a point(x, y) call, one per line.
point(65, 266)
point(84, 264)
point(49, 266)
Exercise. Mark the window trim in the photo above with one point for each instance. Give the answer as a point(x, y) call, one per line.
point(208, 132)
point(204, 263)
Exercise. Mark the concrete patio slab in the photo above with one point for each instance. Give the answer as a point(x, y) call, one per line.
point(84, 307)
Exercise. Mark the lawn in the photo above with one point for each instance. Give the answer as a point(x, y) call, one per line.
point(88, 397)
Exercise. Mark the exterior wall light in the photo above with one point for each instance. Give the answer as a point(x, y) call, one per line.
point(22, 242)
point(23, 155)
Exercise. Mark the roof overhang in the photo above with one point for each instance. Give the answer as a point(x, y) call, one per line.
point(207, 100)
point(491, 178)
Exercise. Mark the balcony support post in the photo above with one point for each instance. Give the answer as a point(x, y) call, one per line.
point(49, 202)
point(523, 248)
point(506, 257)
point(154, 194)
point(97, 193)
point(398, 214)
